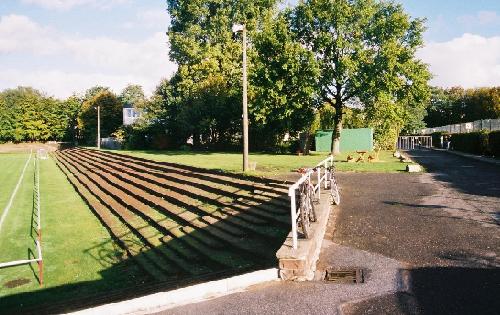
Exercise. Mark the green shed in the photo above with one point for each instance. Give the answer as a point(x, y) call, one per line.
point(360, 139)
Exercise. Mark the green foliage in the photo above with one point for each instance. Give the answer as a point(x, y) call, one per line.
point(28, 115)
point(436, 138)
point(494, 142)
point(473, 142)
point(458, 105)
point(208, 83)
point(284, 81)
point(111, 116)
point(365, 50)
point(133, 94)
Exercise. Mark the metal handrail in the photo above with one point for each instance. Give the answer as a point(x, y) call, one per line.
point(325, 164)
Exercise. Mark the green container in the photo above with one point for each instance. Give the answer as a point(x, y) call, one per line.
point(360, 139)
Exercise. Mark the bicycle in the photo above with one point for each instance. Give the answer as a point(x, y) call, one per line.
point(334, 188)
point(305, 204)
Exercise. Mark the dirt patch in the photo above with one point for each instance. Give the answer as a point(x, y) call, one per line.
point(26, 147)
point(16, 283)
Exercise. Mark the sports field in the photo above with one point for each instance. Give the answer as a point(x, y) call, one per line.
point(79, 256)
point(114, 226)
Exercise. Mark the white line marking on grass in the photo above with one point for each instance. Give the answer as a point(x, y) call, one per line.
point(7, 208)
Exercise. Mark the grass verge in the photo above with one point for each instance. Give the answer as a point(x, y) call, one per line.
point(269, 164)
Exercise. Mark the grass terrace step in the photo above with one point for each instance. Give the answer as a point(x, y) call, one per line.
point(226, 190)
point(165, 189)
point(190, 218)
point(124, 237)
point(135, 223)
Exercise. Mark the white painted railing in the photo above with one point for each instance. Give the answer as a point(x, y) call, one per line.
point(321, 172)
point(412, 142)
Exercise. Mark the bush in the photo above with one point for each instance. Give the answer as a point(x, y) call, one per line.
point(473, 142)
point(436, 138)
point(494, 143)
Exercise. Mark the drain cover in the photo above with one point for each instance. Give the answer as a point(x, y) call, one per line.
point(345, 275)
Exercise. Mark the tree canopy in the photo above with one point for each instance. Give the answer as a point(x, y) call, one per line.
point(366, 53)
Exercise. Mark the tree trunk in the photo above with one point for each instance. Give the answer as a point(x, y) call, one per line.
point(337, 119)
point(306, 143)
point(336, 137)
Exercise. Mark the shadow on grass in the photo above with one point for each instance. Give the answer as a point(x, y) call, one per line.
point(179, 226)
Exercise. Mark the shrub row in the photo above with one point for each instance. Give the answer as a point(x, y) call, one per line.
point(481, 142)
point(494, 143)
point(436, 138)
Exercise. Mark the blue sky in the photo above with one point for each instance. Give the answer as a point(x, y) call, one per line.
point(66, 46)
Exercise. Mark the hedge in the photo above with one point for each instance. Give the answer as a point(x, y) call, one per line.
point(436, 138)
point(472, 142)
point(494, 143)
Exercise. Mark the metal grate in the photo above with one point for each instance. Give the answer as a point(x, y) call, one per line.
point(345, 275)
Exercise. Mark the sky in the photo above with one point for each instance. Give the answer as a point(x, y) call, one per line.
point(67, 46)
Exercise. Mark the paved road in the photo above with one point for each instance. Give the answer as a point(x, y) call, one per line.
point(430, 243)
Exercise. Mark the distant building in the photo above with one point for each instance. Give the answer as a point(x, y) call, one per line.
point(130, 114)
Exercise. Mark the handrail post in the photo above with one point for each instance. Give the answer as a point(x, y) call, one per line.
point(294, 219)
point(319, 182)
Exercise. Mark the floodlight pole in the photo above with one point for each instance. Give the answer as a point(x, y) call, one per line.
point(243, 29)
point(98, 127)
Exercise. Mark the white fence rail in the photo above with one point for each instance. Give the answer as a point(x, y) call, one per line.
point(477, 125)
point(321, 174)
point(412, 142)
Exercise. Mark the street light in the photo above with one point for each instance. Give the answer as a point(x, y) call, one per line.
point(98, 127)
point(241, 28)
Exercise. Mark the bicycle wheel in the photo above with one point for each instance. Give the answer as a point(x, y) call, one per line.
point(304, 213)
point(312, 212)
point(334, 190)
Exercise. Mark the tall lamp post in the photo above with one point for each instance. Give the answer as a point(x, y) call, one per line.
point(98, 127)
point(242, 28)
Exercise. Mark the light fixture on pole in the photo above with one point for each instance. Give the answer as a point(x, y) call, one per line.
point(98, 127)
point(241, 28)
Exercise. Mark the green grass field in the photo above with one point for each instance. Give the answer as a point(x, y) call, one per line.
point(269, 164)
point(79, 256)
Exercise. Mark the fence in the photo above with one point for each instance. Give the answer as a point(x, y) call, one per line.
point(38, 239)
point(412, 142)
point(111, 143)
point(323, 165)
point(484, 124)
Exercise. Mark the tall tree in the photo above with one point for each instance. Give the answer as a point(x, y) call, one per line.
point(209, 59)
point(133, 94)
point(366, 52)
point(111, 116)
point(284, 80)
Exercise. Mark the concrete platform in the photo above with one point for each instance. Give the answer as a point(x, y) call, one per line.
point(300, 264)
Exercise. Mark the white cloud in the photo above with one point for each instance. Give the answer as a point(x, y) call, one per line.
point(153, 19)
point(468, 61)
point(92, 61)
point(68, 4)
point(481, 18)
point(19, 33)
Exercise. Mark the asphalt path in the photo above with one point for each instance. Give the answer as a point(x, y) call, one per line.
point(430, 244)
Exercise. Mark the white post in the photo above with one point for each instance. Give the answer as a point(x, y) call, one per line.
point(326, 172)
point(319, 182)
point(99, 127)
point(245, 106)
point(294, 220)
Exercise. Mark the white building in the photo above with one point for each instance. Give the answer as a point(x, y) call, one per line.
point(130, 114)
